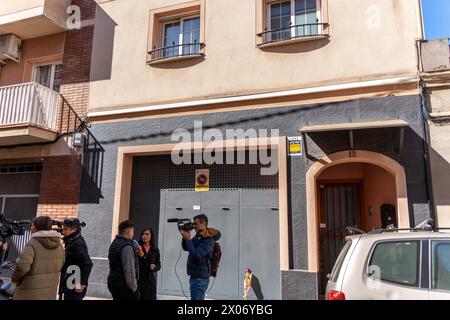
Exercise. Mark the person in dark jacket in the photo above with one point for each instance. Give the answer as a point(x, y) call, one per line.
point(3, 251)
point(76, 255)
point(201, 249)
point(149, 264)
point(123, 265)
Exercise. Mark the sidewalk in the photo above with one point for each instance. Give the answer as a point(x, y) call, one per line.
point(160, 297)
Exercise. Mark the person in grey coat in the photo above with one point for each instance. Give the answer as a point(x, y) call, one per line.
point(123, 264)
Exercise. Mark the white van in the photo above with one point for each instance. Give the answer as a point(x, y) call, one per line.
point(392, 265)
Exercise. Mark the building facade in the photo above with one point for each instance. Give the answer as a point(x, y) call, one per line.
point(347, 87)
point(326, 92)
point(44, 65)
point(435, 83)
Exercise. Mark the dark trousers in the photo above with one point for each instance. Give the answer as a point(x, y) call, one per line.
point(122, 293)
point(147, 288)
point(73, 295)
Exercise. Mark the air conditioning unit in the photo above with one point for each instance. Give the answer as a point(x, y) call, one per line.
point(10, 47)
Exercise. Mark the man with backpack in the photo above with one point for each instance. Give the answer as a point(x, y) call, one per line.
point(201, 254)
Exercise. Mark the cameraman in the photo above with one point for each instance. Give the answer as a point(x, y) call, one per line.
point(76, 255)
point(201, 249)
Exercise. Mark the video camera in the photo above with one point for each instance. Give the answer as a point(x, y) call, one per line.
point(183, 224)
point(59, 225)
point(10, 228)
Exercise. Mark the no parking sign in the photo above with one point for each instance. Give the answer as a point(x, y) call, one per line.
point(202, 180)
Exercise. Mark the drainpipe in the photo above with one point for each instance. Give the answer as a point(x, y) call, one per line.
point(426, 146)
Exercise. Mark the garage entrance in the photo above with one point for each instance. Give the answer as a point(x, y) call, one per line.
point(19, 195)
point(241, 203)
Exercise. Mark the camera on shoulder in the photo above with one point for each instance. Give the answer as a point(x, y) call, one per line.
point(183, 224)
point(9, 228)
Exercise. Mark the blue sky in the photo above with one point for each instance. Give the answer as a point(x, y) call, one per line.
point(436, 15)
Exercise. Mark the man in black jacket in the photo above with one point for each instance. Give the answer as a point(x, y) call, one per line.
point(123, 264)
point(77, 257)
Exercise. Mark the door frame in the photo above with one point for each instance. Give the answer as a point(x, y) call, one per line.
point(124, 171)
point(350, 156)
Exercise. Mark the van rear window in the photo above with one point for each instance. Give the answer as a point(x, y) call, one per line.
point(397, 262)
point(340, 261)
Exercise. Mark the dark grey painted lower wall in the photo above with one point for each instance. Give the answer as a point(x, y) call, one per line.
point(299, 285)
point(97, 211)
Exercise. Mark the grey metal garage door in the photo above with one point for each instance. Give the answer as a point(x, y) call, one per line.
point(248, 221)
point(241, 203)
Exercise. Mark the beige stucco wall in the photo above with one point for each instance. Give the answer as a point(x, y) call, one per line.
point(439, 100)
point(233, 65)
point(440, 170)
point(51, 8)
point(30, 19)
point(8, 7)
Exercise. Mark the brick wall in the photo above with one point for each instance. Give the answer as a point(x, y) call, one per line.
point(61, 176)
point(77, 59)
point(60, 187)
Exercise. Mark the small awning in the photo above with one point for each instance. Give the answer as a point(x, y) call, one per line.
point(377, 124)
point(352, 126)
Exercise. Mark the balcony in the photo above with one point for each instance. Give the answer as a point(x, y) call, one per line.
point(435, 55)
point(292, 34)
point(175, 52)
point(32, 113)
point(33, 18)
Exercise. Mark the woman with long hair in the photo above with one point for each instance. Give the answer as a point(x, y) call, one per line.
point(149, 264)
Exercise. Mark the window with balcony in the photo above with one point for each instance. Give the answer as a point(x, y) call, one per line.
point(176, 33)
point(49, 75)
point(181, 37)
point(291, 20)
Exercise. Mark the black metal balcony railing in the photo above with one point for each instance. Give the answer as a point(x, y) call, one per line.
point(292, 32)
point(175, 50)
point(69, 121)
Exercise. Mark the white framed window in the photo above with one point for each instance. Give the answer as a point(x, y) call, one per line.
point(288, 19)
point(48, 74)
point(181, 36)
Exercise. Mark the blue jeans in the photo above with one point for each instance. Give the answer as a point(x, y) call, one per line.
point(198, 288)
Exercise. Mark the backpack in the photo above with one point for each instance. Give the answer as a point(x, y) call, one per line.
point(217, 254)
